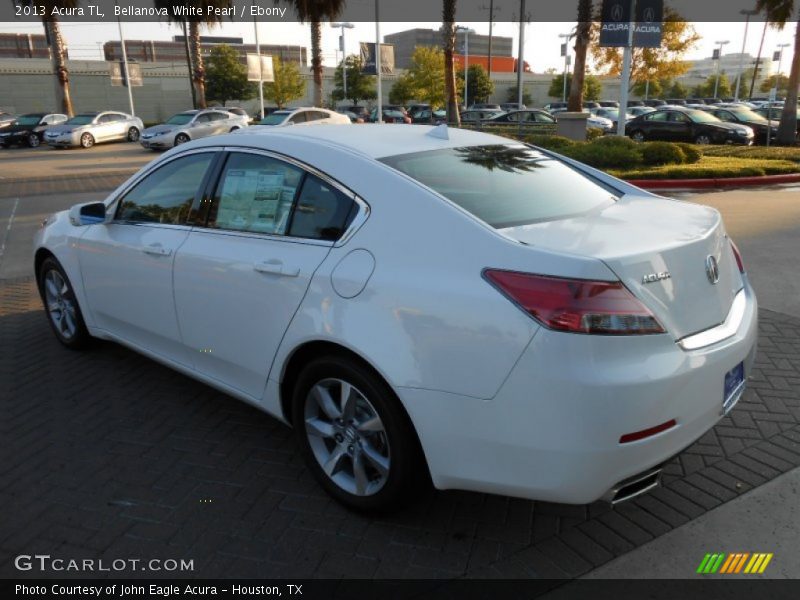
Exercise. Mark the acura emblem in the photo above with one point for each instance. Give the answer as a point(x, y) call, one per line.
point(649, 15)
point(616, 12)
point(712, 270)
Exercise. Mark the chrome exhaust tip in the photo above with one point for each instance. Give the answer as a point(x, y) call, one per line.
point(630, 488)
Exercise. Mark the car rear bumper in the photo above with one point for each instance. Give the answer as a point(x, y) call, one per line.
point(553, 430)
point(156, 144)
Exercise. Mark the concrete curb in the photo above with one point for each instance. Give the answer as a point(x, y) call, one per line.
point(714, 182)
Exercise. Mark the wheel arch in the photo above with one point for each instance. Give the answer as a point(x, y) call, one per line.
point(39, 257)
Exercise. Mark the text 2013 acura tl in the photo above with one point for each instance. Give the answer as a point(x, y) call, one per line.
point(419, 303)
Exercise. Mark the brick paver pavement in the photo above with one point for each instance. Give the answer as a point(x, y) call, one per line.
point(108, 454)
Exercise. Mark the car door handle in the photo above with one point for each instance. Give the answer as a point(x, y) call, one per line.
point(156, 250)
point(276, 267)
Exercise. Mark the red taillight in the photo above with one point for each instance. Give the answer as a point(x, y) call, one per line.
point(577, 305)
point(737, 255)
point(646, 433)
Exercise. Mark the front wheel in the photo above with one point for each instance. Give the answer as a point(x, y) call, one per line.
point(133, 134)
point(33, 140)
point(61, 305)
point(181, 138)
point(87, 140)
point(637, 136)
point(354, 435)
point(703, 139)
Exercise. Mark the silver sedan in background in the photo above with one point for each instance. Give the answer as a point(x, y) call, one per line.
point(191, 125)
point(87, 129)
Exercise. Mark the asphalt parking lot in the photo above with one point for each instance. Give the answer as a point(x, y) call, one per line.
point(110, 455)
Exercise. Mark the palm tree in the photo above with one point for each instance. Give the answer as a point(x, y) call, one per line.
point(58, 50)
point(582, 36)
point(449, 43)
point(209, 19)
point(314, 12)
point(779, 12)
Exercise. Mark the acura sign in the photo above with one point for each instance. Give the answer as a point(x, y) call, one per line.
point(649, 21)
point(647, 25)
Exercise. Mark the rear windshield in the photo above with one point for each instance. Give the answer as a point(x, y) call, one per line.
point(275, 118)
point(504, 185)
point(81, 119)
point(180, 119)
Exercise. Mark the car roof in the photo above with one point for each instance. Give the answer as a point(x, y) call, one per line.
point(372, 140)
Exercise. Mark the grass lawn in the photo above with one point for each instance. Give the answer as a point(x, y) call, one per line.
point(715, 166)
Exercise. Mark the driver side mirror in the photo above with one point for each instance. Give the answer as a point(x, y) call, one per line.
point(87, 214)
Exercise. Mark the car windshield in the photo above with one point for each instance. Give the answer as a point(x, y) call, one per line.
point(81, 120)
point(701, 116)
point(275, 118)
point(504, 185)
point(29, 120)
point(180, 119)
point(746, 114)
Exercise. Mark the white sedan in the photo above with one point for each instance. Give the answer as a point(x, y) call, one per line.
point(420, 305)
point(304, 116)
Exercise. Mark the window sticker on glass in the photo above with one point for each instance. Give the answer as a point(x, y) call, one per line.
point(250, 200)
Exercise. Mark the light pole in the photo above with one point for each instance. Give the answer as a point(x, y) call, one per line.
point(748, 14)
point(719, 60)
point(466, 31)
point(342, 27)
point(260, 71)
point(566, 37)
point(780, 62)
point(127, 72)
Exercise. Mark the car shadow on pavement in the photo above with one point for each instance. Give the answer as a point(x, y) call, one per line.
point(111, 455)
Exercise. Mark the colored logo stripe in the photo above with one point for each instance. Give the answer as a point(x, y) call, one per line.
point(734, 563)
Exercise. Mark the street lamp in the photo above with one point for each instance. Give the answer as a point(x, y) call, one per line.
point(466, 31)
point(747, 14)
point(565, 46)
point(780, 61)
point(719, 59)
point(342, 27)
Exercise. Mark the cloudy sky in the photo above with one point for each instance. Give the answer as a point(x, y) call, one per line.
point(542, 50)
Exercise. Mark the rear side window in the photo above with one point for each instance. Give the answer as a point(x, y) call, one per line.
point(504, 185)
point(166, 195)
point(322, 211)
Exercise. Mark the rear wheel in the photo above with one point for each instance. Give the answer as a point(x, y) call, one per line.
point(87, 140)
point(638, 136)
point(63, 312)
point(181, 138)
point(133, 134)
point(354, 435)
point(703, 139)
point(33, 140)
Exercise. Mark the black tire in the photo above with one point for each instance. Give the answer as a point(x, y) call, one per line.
point(87, 140)
point(133, 134)
point(408, 473)
point(33, 140)
point(181, 138)
point(638, 136)
point(80, 338)
point(703, 139)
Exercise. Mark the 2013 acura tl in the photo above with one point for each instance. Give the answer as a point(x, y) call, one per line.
point(419, 303)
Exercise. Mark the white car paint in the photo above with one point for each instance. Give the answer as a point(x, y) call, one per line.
point(303, 116)
point(500, 402)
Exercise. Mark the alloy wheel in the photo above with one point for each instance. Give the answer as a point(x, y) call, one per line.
point(133, 134)
point(33, 140)
point(638, 136)
point(347, 437)
point(60, 304)
point(87, 141)
point(703, 140)
point(181, 138)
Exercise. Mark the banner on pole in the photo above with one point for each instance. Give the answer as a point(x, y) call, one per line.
point(649, 23)
point(116, 71)
point(267, 73)
point(616, 18)
point(368, 58)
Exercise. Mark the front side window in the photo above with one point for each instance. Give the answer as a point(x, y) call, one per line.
point(255, 194)
point(166, 195)
point(657, 117)
point(504, 185)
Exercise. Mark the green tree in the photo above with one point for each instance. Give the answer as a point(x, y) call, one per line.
point(205, 18)
point(779, 12)
point(513, 94)
point(360, 86)
point(664, 62)
point(403, 90)
point(592, 88)
point(677, 90)
point(652, 90)
point(288, 85)
point(479, 85)
point(449, 43)
point(427, 75)
point(769, 83)
point(583, 33)
point(58, 47)
point(315, 12)
point(226, 76)
point(706, 89)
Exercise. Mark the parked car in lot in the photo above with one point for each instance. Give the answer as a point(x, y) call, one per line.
point(484, 106)
point(568, 336)
point(654, 102)
point(687, 125)
point(390, 116)
point(512, 106)
point(774, 114)
point(354, 118)
point(639, 110)
point(609, 104)
point(356, 109)
point(611, 114)
point(476, 116)
point(304, 116)
point(191, 125)
point(29, 129)
point(426, 116)
point(529, 115)
point(87, 129)
point(744, 116)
